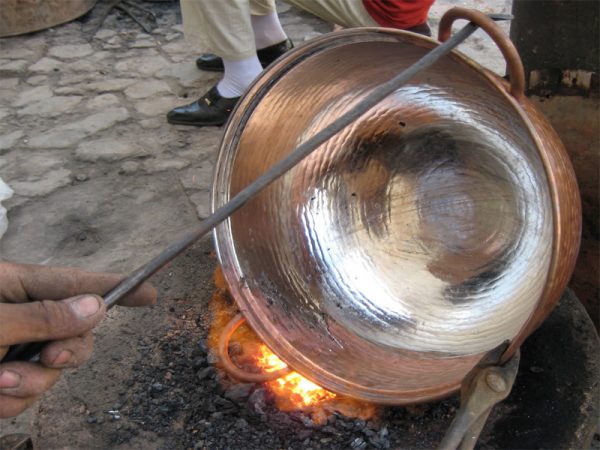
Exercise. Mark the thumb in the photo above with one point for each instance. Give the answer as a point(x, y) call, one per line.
point(49, 320)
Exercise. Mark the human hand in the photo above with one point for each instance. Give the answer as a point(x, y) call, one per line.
point(60, 305)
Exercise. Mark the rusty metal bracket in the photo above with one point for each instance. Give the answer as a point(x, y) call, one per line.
point(486, 385)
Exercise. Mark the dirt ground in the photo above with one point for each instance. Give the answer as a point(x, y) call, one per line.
point(102, 182)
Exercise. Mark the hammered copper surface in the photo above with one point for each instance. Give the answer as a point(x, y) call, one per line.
point(389, 260)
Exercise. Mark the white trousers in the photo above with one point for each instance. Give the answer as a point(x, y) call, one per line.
point(223, 26)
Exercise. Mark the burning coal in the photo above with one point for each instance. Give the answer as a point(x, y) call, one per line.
point(292, 392)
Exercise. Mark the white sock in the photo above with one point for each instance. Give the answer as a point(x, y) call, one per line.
point(238, 76)
point(267, 30)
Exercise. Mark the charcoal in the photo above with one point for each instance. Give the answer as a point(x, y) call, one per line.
point(239, 391)
point(258, 401)
point(241, 423)
point(358, 444)
point(199, 362)
point(207, 372)
point(199, 406)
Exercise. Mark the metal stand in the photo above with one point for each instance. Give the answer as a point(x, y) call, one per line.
point(486, 385)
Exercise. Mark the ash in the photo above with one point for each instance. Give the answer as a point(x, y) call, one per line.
point(179, 395)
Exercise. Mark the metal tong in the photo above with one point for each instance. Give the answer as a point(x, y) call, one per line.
point(486, 385)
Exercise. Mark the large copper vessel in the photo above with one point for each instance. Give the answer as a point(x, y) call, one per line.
point(440, 224)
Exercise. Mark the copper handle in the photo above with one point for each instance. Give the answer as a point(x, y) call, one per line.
point(234, 370)
point(511, 55)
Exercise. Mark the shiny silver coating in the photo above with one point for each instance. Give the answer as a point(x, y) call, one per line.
point(387, 262)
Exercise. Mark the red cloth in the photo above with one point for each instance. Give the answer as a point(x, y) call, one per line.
point(401, 14)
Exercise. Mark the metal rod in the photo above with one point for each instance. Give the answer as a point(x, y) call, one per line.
point(281, 167)
point(31, 351)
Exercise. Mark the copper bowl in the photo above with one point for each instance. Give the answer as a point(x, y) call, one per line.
point(440, 224)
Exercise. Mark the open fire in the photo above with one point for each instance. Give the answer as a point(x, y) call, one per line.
point(292, 392)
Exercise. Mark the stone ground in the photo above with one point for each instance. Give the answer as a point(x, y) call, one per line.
point(101, 180)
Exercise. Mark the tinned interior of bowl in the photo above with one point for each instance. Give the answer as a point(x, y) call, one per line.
point(387, 262)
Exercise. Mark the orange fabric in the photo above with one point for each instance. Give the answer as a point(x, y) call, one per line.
point(401, 14)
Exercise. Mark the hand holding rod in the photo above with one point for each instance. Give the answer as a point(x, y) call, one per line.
point(29, 351)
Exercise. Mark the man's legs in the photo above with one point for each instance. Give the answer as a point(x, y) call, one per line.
point(219, 26)
point(232, 29)
point(265, 24)
point(269, 38)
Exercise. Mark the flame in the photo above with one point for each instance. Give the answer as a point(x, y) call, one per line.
point(292, 391)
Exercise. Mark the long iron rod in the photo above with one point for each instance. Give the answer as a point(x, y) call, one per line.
point(31, 351)
point(281, 167)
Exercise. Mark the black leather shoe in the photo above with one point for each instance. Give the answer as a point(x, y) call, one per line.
point(209, 110)
point(213, 63)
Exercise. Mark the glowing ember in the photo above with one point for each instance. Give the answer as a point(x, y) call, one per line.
point(292, 392)
point(297, 390)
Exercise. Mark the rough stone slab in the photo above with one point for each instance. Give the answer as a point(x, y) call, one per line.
point(33, 95)
point(143, 43)
point(49, 182)
point(7, 141)
point(186, 73)
point(99, 56)
point(71, 51)
point(67, 135)
point(51, 107)
point(108, 150)
point(144, 65)
point(16, 65)
point(103, 101)
point(197, 177)
point(10, 83)
point(7, 96)
point(130, 167)
point(149, 124)
point(82, 65)
point(204, 143)
point(156, 106)
point(70, 90)
point(37, 80)
point(17, 53)
point(181, 57)
point(104, 33)
point(172, 36)
point(201, 201)
point(45, 65)
point(178, 28)
point(159, 165)
point(70, 78)
point(115, 40)
point(116, 84)
point(180, 46)
point(144, 89)
point(5, 113)
point(312, 35)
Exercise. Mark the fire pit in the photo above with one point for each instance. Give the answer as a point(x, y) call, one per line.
point(178, 393)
